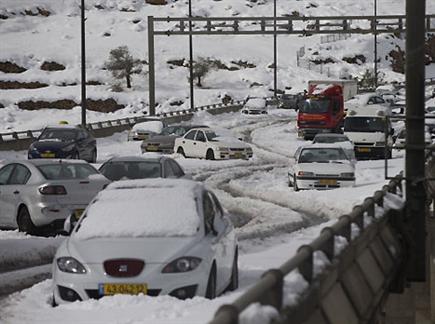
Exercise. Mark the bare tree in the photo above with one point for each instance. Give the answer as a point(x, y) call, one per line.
point(200, 69)
point(122, 64)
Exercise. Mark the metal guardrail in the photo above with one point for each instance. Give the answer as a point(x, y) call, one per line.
point(351, 288)
point(21, 140)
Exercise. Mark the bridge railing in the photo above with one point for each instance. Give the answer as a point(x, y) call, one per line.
point(352, 285)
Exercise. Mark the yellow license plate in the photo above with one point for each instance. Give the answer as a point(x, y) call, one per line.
point(238, 155)
point(152, 148)
point(77, 213)
point(328, 182)
point(48, 155)
point(363, 149)
point(126, 289)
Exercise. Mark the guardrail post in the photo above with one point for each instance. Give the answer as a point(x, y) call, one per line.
point(228, 313)
point(15, 135)
point(273, 297)
point(306, 267)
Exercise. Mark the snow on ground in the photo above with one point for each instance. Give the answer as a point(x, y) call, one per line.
point(265, 210)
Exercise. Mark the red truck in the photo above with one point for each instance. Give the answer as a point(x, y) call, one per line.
point(323, 108)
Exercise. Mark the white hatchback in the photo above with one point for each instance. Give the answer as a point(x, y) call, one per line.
point(152, 237)
point(209, 144)
point(321, 166)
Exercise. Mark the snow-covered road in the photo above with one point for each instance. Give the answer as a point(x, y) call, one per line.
point(271, 219)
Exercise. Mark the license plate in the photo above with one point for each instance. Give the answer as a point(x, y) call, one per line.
point(48, 155)
point(238, 155)
point(363, 149)
point(152, 148)
point(328, 182)
point(77, 213)
point(126, 289)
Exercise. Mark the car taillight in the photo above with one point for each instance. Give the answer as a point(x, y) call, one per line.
point(52, 190)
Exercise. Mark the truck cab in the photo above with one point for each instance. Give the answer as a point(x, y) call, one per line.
point(322, 111)
point(369, 132)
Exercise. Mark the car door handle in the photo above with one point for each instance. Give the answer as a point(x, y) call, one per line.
point(16, 192)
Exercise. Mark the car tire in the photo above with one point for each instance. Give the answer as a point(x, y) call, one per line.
point(180, 150)
point(94, 156)
point(295, 185)
point(24, 222)
point(209, 155)
point(234, 283)
point(211, 283)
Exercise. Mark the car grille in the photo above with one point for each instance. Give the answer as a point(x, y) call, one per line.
point(123, 267)
point(363, 144)
point(237, 149)
point(94, 294)
point(327, 175)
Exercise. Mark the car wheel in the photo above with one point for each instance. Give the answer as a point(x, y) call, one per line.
point(24, 222)
point(295, 185)
point(209, 155)
point(181, 151)
point(234, 283)
point(94, 156)
point(211, 284)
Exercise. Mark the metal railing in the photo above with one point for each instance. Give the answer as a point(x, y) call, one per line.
point(19, 140)
point(358, 277)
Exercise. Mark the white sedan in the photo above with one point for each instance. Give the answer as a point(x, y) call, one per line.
point(142, 131)
point(206, 143)
point(320, 166)
point(255, 106)
point(152, 237)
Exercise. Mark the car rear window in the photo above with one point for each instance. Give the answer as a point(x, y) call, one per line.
point(66, 171)
point(131, 170)
point(60, 134)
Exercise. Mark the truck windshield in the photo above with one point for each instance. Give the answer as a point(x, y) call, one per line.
point(364, 124)
point(315, 106)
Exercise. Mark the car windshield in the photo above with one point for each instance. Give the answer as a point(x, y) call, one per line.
point(174, 130)
point(118, 170)
point(321, 155)
point(330, 139)
point(211, 136)
point(65, 135)
point(66, 171)
point(364, 124)
point(315, 106)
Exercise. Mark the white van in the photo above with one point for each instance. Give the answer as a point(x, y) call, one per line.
point(369, 132)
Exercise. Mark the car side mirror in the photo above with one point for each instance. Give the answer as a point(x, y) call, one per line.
point(69, 224)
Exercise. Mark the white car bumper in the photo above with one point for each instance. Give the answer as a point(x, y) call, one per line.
point(323, 183)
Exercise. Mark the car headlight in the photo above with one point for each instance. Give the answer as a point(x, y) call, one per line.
point(222, 149)
point(303, 174)
point(70, 265)
point(182, 264)
point(382, 143)
point(67, 148)
point(348, 175)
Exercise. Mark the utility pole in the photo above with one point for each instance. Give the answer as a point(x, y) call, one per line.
point(83, 63)
point(415, 153)
point(376, 43)
point(192, 102)
point(275, 59)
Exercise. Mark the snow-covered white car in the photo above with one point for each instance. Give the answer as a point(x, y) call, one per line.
point(321, 166)
point(401, 138)
point(209, 144)
point(152, 237)
point(255, 106)
point(339, 139)
point(142, 131)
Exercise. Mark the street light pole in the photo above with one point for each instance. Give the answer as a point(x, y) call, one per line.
point(192, 102)
point(376, 43)
point(275, 59)
point(83, 64)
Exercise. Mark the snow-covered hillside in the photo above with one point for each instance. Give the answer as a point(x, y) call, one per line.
point(36, 31)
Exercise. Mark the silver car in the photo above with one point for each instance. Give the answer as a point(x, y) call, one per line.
point(37, 195)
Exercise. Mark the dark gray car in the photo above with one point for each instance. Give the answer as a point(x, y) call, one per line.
point(164, 142)
point(141, 167)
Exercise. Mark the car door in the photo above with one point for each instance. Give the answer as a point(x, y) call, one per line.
point(86, 144)
point(6, 204)
point(16, 191)
point(187, 143)
point(200, 144)
point(226, 235)
point(214, 237)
